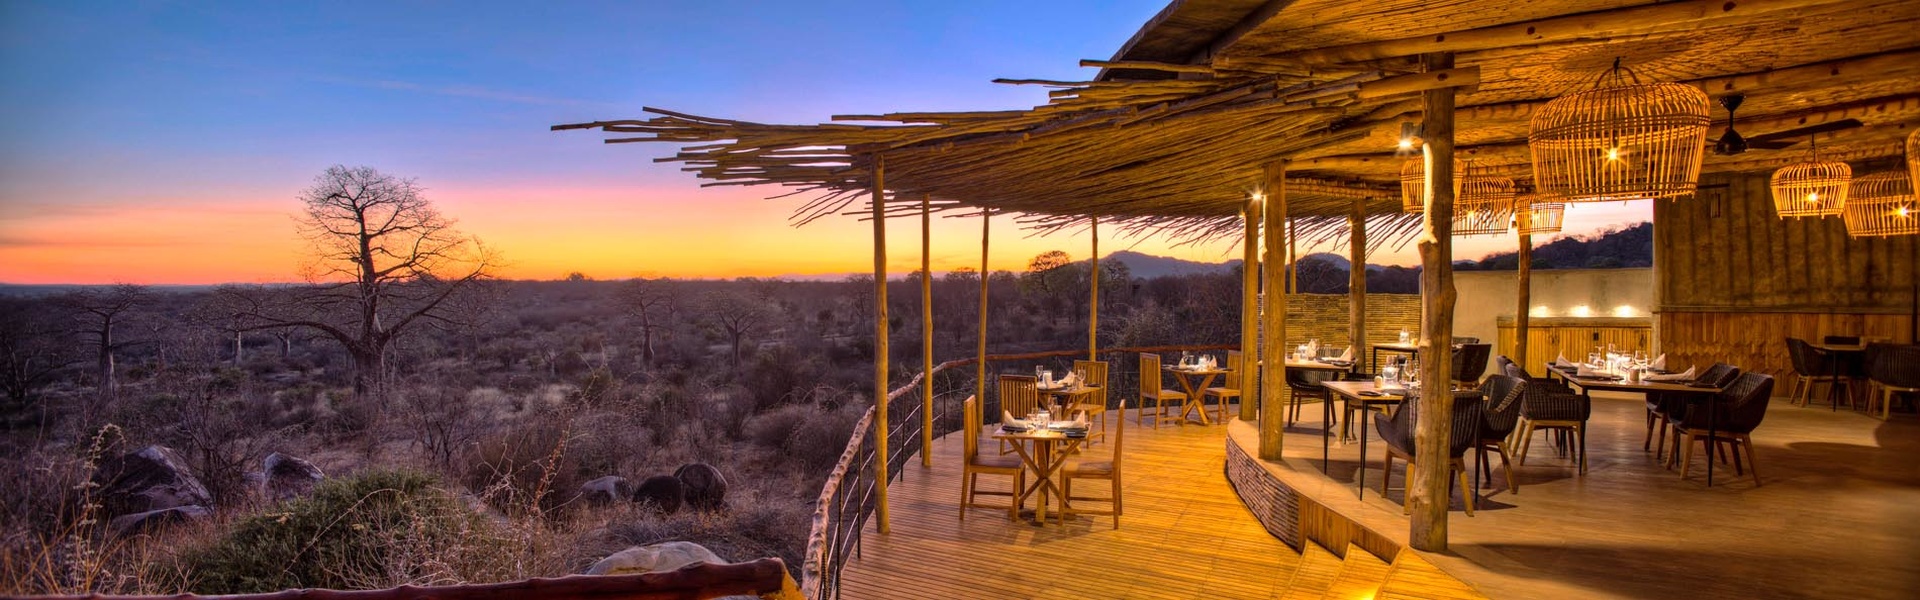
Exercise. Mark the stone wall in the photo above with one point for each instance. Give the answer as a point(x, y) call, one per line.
point(1324, 316)
point(1273, 504)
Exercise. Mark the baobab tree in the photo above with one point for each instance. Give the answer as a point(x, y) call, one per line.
point(383, 262)
point(648, 300)
point(99, 314)
point(738, 315)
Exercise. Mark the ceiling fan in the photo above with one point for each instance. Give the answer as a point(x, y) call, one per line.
point(1731, 142)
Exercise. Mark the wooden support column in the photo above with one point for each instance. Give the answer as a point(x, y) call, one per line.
point(1293, 258)
point(880, 353)
point(1273, 352)
point(1525, 297)
point(980, 364)
point(1093, 306)
point(1427, 488)
point(926, 330)
point(1250, 311)
point(1357, 279)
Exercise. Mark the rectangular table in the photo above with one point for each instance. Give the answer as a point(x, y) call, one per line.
point(1693, 393)
point(1044, 461)
point(1356, 391)
point(1406, 348)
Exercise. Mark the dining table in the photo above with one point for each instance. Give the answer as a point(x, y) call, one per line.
point(1187, 375)
point(1369, 395)
point(1401, 347)
point(1042, 450)
point(1840, 354)
point(1064, 396)
point(1693, 392)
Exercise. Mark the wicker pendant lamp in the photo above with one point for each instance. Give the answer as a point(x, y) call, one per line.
point(1882, 204)
point(1484, 205)
point(1533, 214)
point(1413, 184)
point(1811, 189)
point(1621, 140)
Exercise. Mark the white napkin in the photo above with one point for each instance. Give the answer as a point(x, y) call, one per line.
point(1658, 364)
point(1006, 418)
point(1347, 355)
point(1067, 381)
point(1681, 376)
point(1583, 371)
point(1561, 361)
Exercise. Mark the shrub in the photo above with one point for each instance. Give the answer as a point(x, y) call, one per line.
point(376, 529)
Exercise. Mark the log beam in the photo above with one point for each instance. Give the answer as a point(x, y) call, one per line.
point(926, 330)
point(880, 353)
point(1273, 351)
point(1093, 305)
point(1250, 310)
point(1427, 488)
point(1524, 300)
point(980, 366)
point(1357, 279)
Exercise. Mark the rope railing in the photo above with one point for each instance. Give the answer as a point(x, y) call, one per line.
point(847, 498)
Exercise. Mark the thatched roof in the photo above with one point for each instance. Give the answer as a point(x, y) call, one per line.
point(1178, 144)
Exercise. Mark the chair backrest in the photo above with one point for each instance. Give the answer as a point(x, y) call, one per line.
point(1500, 364)
point(1470, 360)
point(1096, 371)
point(1149, 375)
point(1841, 340)
point(1896, 365)
point(1807, 360)
point(1503, 402)
point(1720, 375)
point(1397, 430)
point(1233, 368)
point(1465, 340)
point(1309, 379)
point(1744, 404)
point(1019, 394)
point(970, 433)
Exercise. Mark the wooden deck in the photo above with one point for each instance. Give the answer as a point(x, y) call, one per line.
point(1184, 535)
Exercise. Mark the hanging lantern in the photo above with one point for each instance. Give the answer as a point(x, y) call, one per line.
point(1413, 184)
point(1484, 203)
point(1533, 214)
point(1882, 204)
point(1811, 189)
point(1621, 140)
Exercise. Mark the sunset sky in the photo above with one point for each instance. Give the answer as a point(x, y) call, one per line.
point(165, 142)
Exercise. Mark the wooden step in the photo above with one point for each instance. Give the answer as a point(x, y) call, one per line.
point(1412, 577)
point(1361, 575)
point(1315, 575)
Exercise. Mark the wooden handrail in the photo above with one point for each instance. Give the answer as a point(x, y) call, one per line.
point(766, 578)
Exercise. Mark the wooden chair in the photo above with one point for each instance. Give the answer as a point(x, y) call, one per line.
point(1891, 370)
point(977, 465)
point(1107, 468)
point(1019, 395)
point(1150, 390)
point(1095, 404)
point(1741, 408)
point(1229, 389)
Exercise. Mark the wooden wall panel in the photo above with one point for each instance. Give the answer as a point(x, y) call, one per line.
point(1757, 341)
point(1548, 339)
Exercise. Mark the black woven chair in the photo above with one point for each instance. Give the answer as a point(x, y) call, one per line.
point(1470, 362)
point(1397, 431)
point(1306, 384)
point(1811, 366)
point(1552, 408)
point(1500, 417)
point(1895, 369)
point(1740, 409)
point(1459, 340)
point(1665, 408)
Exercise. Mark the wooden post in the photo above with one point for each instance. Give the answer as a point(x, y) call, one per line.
point(1525, 300)
point(926, 330)
point(880, 353)
point(1093, 310)
point(1293, 258)
point(1427, 488)
point(1250, 311)
point(1273, 352)
point(1357, 279)
point(980, 365)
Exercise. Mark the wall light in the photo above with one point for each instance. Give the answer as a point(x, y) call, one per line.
point(1582, 311)
point(1540, 311)
point(1623, 311)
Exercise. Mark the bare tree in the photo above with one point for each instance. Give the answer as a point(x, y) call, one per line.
point(30, 350)
point(738, 315)
point(648, 300)
point(384, 261)
point(99, 313)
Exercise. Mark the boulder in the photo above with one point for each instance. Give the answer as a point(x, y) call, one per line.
point(151, 479)
point(663, 492)
point(656, 558)
point(284, 477)
point(155, 519)
point(706, 489)
point(606, 490)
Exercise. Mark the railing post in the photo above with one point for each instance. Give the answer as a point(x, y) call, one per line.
point(880, 352)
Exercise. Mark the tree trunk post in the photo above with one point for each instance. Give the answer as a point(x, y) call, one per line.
point(926, 330)
point(880, 352)
point(980, 363)
point(1273, 373)
point(1250, 310)
point(1357, 279)
point(1525, 298)
point(1093, 306)
point(1427, 488)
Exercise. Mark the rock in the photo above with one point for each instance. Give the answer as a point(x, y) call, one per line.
point(706, 489)
point(154, 519)
point(663, 492)
point(605, 490)
point(285, 477)
point(151, 479)
point(665, 556)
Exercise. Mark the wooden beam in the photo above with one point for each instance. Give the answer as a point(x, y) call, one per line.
point(926, 330)
point(1641, 20)
point(1143, 65)
point(1357, 279)
point(1427, 488)
point(1250, 310)
point(1524, 300)
point(880, 352)
point(1293, 257)
point(1419, 82)
point(1273, 351)
point(1093, 305)
point(1853, 68)
point(980, 366)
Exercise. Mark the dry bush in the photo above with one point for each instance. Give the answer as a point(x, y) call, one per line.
point(762, 519)
point(528, 469)
point(55, 534)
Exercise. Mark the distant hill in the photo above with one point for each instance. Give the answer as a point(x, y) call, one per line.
point(1148, 266)
point(1623, 248)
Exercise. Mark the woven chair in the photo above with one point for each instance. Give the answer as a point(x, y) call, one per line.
point(1741, 407)
point(1811, 366)
point(1150, 391)
point(976, 465)
point(1107, 468)
point(1545, 407)
point(1095, 404)
point(1665, 408)
point(1894, 370)
point(1500, 417)
point(1469, 362)
point(1304, 384)
point(1229, 389)
point(1019, 395)
point(1397, 432)
point(1461, 340)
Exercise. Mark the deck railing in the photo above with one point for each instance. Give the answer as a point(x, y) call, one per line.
point(847, 499)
